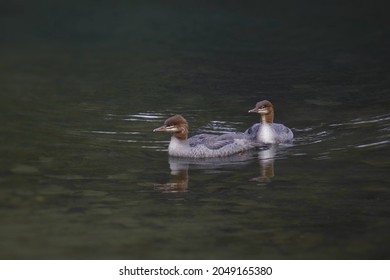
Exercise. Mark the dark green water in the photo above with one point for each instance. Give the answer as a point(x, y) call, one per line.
point(82, 86)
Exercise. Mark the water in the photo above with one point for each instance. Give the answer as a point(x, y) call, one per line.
point(84, 177)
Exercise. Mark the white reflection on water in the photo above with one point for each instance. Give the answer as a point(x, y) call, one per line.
point(115, 132)
point(219, 127)
point(373, 144)
point(145, 117)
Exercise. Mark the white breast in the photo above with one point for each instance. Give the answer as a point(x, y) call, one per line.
point(266, 134)
point(179, 148)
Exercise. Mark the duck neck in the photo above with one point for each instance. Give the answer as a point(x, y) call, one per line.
point(182, 134)
point(268, 118)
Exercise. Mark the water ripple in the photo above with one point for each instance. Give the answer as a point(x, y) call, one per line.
point(321, 141)
point(219, 127)
point(115, 132)
point(325, 141)
point(373, 144)
point(359, 121)
point(145, 117)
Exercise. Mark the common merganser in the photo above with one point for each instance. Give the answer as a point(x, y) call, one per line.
point(268, 132)
point(202, 145)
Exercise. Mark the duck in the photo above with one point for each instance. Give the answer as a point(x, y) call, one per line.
point(202, 145)
point(267, 132)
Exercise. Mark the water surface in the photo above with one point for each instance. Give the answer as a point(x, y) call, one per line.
point(84, 177)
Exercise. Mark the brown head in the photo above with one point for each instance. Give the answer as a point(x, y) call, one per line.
point(177, 125)
point(265, 109)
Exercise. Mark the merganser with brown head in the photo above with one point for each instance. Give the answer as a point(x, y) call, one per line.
point(202, 145)
point(267, 131)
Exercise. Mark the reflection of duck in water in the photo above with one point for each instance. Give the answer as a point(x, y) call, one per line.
point(266, 162)
point(267, 131)
point(202, 145)
point(179, 169)
point(179, 182)
point(233, 161)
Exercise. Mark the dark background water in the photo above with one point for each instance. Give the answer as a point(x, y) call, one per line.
point(83, 84)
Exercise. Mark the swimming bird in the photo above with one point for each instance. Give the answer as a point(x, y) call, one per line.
point(202, 145)
point(268, 132)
